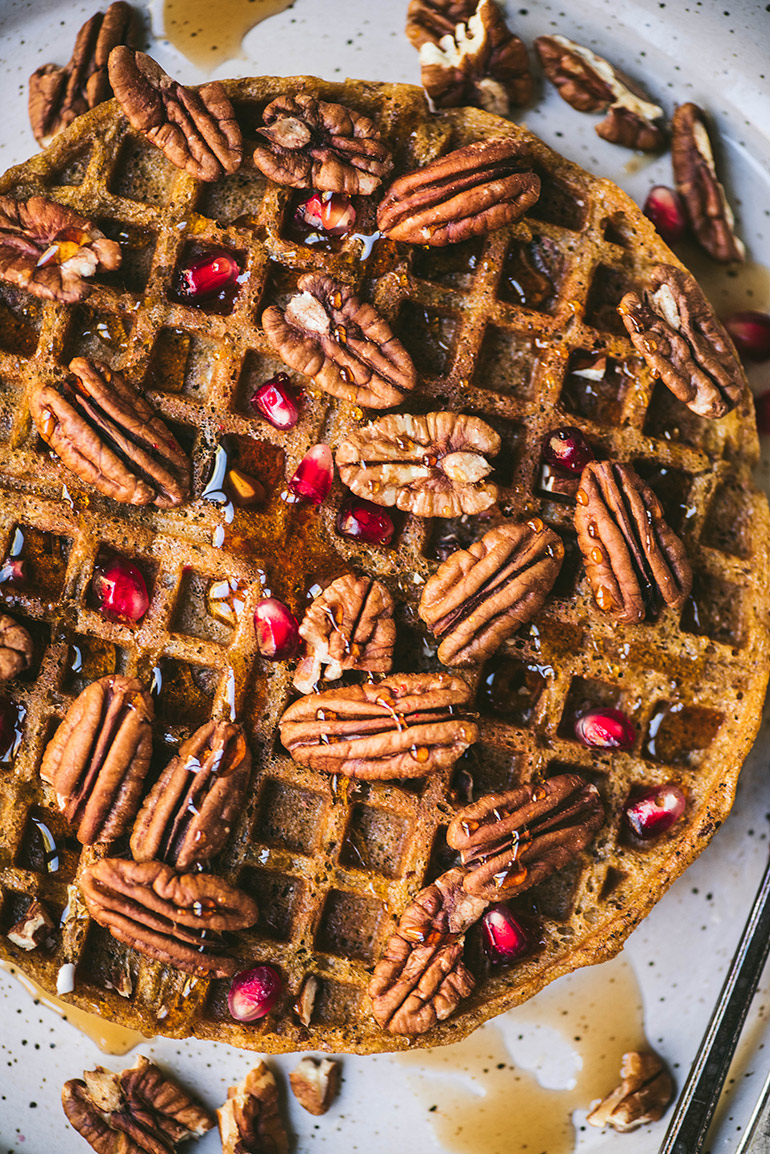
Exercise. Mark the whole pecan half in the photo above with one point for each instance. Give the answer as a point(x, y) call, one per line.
point(430, 20)
point(645, 1090)
point(677, 332)
point(188, 814)
point(696, 178)
point(481, 595)
point(49, 250)
point(432, 466)
point(139, 1111)
point(420, 978)
point(58, 95)
point(407, 725)
point(348, 626)
point(196, 129)
point(634, 560)
point(250, 1120)
point(16, 648)
point(466, 193)
point(177, 919)
point(106, 432)
point(327, 333)
point(311, 143)
point(511, 841)
point(99, 756)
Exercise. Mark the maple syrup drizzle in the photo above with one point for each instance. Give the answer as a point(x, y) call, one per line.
point(208, 34)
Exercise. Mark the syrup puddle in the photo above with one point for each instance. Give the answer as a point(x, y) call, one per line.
point(208, 34)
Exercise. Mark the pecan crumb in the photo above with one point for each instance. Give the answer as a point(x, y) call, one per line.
point(34, 929)
point(305, 1003)
point(645, 1090)
point(696, 178)
point(16, 648)
point(315, 1084)
point(249, 1121)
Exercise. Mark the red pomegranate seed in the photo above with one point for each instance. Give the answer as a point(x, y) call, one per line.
point(276, 401)
point(120, 589)
point(605, 729)
point(751, 334)
point(762, 410)
point(277, 630)
point(330, 212)
point(651, 813)
point(208, 274)
point(8, 719)
point(13, 571)
point(313, 478)
point(505, 939)
point(363, 521)
point(665, 208)
point(254, 993)
point(567, 449)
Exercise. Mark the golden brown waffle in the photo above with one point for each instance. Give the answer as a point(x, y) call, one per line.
point(332, 868)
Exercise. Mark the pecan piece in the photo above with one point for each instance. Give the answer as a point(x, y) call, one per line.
point(432, 466)
point(696, 178)
point(315, 1084)
point(466, 193)
point(49, 250)
point(427, 21)
point(99, 756)
point(348, 626)
point(250, 1121)
point(173, 918)
point(58, 95)
point(188, 814)
point(511, 841)
point(677, 332)
point(196, 129)
point(420, 978)
point(34, 929)
point(327, 333)
point(633, 559)
point(139, 1111)
point(311, 143)
point(645, 1090)
point(407, 725)
point(107, 433)
point(481, 595)
point(16, 648)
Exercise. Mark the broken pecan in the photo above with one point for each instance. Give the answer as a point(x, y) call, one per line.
point(139, 1111)
point(677, 332)
point(16, 648)
point(314, 144)
point(633, 558)
point(34, 929)
point(348, 626)
point(481, 595)
point(58, 95)
point(407, 725)
point(327, 333)
point(173, 918)
point(695, 174)
point(107, 433)
point(430, 20)
point(511, 841)
point(421, 978)
point(99, 756)
point(591, 84)
point(315, 1084)
point(188, 814)
point(432, 466)
point(196, 129)
point(305, 1003)
point(249, 1121)
point(645, 1091)
point(49, 250)
point(467, 192)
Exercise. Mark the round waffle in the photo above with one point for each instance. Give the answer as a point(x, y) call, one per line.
point(501, 327)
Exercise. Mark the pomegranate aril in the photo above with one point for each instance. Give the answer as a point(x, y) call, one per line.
point(277, 630)
point(605, 729)
point(505, 938)
point(8, 719)
point(653, 812)
point(666, 209)
point(762, 411)
point(330, 212)
point(751, 334)
point(13, 571)
point(364, 521)
point(254, 993)
point(276, 401)
point(120, 590)
point(567, 449)
point(207, 275)
point(313, 478)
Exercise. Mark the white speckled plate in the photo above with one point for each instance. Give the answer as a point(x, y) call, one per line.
point(524, 1082)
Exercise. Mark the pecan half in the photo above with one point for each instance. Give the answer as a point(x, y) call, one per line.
point(250, 1121)
point(645, 1090)
point(139, 1111)
point(430, 20)
point(35, 929)
point(466, 193)
point(591, 84)
point(173, 918)
point(327, 333)
point(49, 250)
point(480, 596)
point(188, 814)
point(696, 178)
point(633, 559)
point(16, 648)
point(311, 143)
point(58, 95)
point(315, 1084)
point(407, 725)
point(105, 431)
point(99, 756)
point(421, 978)
point(511, 841)
point(432, 466)
point(196, 129)
point(348, 626)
